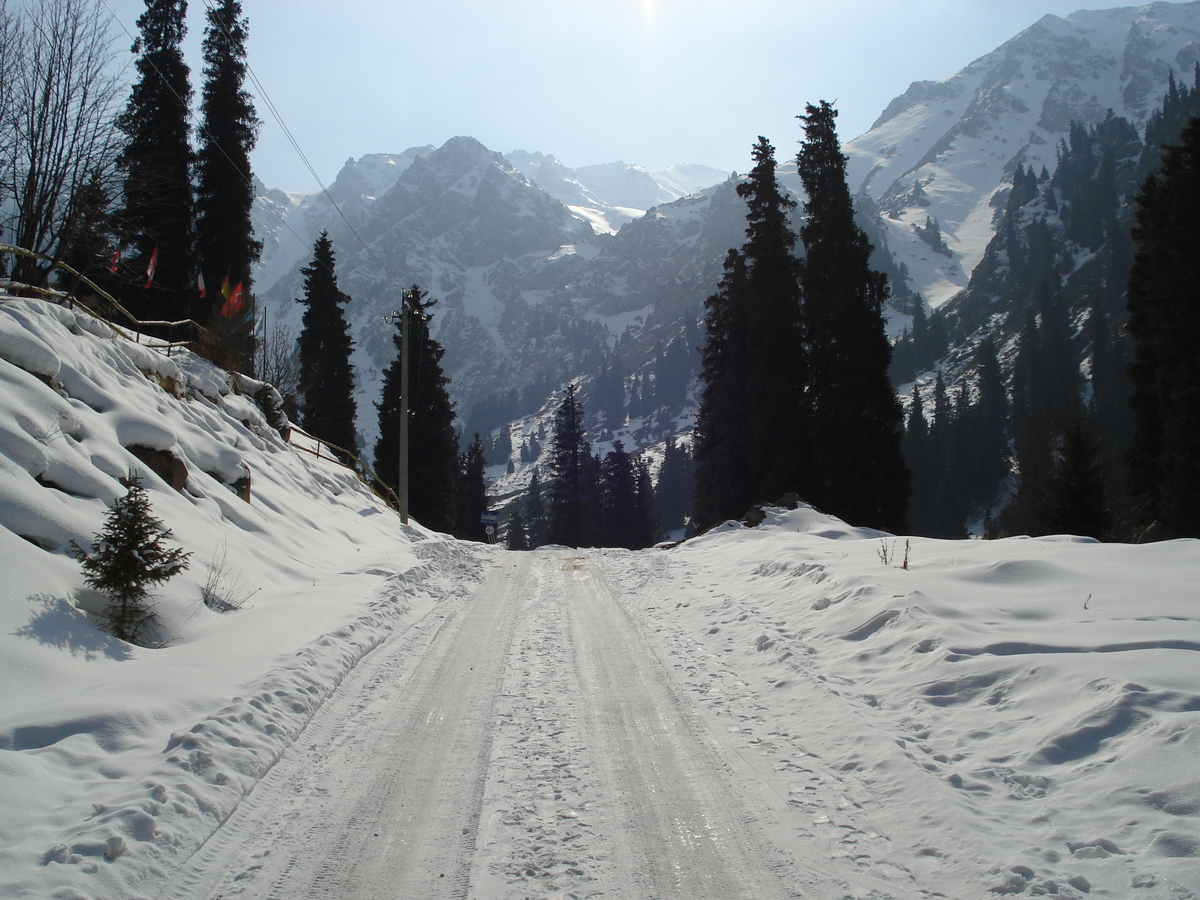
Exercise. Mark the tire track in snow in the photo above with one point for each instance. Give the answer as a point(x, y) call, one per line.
point(415, 822)
point(380, 795)
point(549, 827)
point(692, 837)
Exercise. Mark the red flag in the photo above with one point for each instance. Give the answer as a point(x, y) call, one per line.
point(151, 267)
point(233, 301)
point(116, 258)
point(200, 285)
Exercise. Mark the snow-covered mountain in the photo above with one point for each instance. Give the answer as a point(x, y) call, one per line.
point(533, 285)
point(946, 150)
point(287, 222)
point(540, 270)
point(612, 194)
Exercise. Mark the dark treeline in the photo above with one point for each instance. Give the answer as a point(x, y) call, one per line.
point(795, 395)
point(1052, 395)
point(589, 500)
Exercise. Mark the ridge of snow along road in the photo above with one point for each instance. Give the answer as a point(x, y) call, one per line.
point(117, 761)
point(1013, 717)
point(1020, 715)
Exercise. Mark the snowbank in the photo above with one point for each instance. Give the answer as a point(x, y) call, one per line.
point(108, 750)
point(1020, 715)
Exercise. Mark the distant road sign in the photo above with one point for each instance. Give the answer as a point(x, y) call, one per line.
point(488, 517)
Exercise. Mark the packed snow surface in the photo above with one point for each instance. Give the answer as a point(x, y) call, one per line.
point(802, 709)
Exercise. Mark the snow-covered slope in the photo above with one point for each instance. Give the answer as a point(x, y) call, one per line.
point(108, 750)
point(960, 718)
point(946, 150)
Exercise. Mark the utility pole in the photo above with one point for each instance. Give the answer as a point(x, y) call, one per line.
point(402, 484)
point(402, 479)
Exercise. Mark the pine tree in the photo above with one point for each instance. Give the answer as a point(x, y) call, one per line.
point(535, 513)
point(626, 501)
point(674, 489)
point(327, 409)
point(856, 421)
point(618, 499)
point(571, 508)
point(921, 461)
point(1111, 414)
point(987, 450)
point(750, 444)
point(777, 370)
point(1046, 385)
point(225, 240)
point(646, 529)
point(1164, 319)
point(1075, 496)
point(127, 558)
point(432, 445)
point(472, 492)
point(517, 534)
point(946, 507)
point(155, 221)
point(724, 488)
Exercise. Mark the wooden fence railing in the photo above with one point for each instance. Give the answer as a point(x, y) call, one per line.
point(204, 336)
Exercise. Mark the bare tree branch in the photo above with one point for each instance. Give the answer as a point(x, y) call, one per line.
point(60, 89)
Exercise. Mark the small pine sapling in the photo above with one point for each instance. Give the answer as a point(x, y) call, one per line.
point(127, 557)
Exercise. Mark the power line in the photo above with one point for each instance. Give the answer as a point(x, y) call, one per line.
point(266, 98)
point(199, 125)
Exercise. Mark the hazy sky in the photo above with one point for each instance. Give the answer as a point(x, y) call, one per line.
point(651, 82)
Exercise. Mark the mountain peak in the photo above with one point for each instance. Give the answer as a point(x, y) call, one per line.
point(944, 149)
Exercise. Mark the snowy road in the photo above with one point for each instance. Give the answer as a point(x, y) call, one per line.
point(521, 742)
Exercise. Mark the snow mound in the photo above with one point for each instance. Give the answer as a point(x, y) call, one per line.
point(1015, 716)
point(117, 761)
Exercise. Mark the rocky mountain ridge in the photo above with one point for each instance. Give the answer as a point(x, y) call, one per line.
point(544, 273)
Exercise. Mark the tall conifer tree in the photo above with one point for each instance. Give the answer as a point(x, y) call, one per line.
point(432, 445)
point(225, 241)
point(724, 488)
point(673, 492)
point(535, 513)
point(749, 442)
point(472, 493)
point(571, 509)
point(856, 421)
point(1164, 319)
point(776, 357)
point(155, 221)
point(1075, 497)
point(327, 409)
